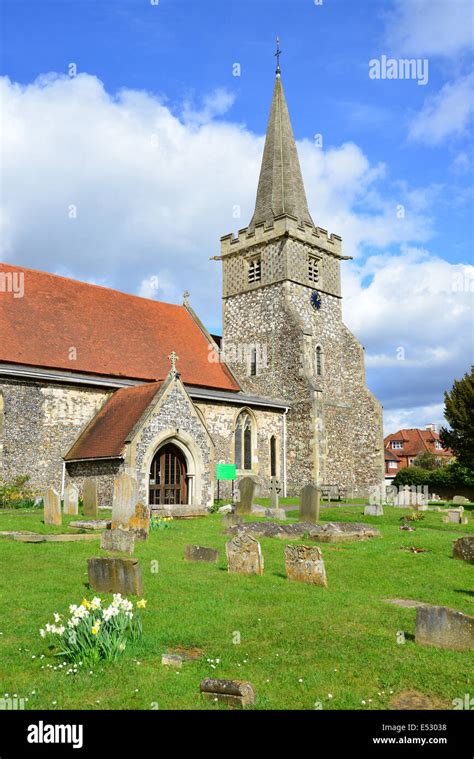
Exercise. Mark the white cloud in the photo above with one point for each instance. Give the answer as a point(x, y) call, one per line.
point(445, 114)
point(215, 104)
point(154, 193)
point(415, 318)
point(418, 417)
point(430, 27)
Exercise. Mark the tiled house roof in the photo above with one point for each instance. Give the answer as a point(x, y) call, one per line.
point(414, 442)
point(112, 333)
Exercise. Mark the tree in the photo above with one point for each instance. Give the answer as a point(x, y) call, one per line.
point(427, 460)
point(459, 412)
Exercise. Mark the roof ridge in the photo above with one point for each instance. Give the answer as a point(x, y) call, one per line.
point(89, 284)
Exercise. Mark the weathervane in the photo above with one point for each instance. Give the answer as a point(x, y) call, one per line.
point(173, 358)
point(277, 56)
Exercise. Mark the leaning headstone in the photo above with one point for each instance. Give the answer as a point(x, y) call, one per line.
point(201, 553)
point(52, 507)
point(115, 575)
point(460, 499)
point(118, 540)
point(71, 499)
point(244, 555)
point(309, 504)
point(463, 548)
point(125, 499)
point(234, 693)
point(373, 510)
point(305, 564)
point(139, 523)
point(247, 492)
point(89, 497)
point(444, 627)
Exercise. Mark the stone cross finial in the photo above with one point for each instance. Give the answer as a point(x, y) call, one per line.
point(173, 358)
point(277, 56)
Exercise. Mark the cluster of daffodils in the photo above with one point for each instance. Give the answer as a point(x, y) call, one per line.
point(160, 523)
point(94, 631)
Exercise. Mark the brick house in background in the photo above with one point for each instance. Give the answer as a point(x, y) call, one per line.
point(402, 447)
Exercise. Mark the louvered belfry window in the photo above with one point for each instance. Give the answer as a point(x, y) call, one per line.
point(313, 269)
point(255, 271)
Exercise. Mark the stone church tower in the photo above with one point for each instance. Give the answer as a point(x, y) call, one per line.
point(283, 333)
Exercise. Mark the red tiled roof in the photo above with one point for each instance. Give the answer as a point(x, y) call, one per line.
point(106, 434)
point(415, 441)
point(389, 455)
point(114, 334)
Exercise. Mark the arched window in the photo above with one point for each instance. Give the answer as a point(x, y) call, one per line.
point(243, 441)
point(273, 456)
point(319, 361)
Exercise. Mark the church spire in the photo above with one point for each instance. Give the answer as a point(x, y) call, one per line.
point(280, 185)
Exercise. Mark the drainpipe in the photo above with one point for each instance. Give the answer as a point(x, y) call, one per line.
point(63, 479)
point(284, 452)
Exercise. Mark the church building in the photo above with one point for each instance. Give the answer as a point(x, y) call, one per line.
point(95, 382)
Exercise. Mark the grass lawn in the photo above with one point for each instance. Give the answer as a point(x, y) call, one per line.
point(300, 644)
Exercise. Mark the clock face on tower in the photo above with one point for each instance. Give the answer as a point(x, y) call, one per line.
point(316, 300)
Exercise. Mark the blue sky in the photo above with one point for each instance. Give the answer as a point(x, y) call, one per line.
point(147, 222)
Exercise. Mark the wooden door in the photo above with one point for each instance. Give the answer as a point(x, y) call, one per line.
point(168, 483)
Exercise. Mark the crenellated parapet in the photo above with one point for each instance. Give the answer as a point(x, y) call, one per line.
point(285, 225)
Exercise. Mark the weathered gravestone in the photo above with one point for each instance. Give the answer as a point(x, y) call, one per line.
point(91, 524)
point(275, 490)
point(201, 553)
point(52, 507)
point(306, 564)
point(125, 499)
point(455, 516)
point(309, 504)
point(244, 555)
point(139, 523)
point(460, 499)
point(118, 540)
point(444, 627)
point(231, 520)
point(246, 494)
point(463, 548)
point(373, 510)
point(234, 693)
point(89, 497)
point(71, 499)
point(115, 575)
point(172, 660)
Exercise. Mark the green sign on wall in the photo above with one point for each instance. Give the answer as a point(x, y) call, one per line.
point(225, 472)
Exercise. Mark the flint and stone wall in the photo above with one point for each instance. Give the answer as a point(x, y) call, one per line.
point(40, 423)
point(335, 432)
point(220, 420)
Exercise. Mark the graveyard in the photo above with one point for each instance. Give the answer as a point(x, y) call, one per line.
point(344, 640)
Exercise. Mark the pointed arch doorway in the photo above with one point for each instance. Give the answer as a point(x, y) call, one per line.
point(168, 477)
